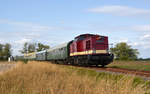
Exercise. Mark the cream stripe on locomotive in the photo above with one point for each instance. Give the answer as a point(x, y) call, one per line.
point(89, 52)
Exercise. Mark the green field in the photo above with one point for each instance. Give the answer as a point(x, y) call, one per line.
point(134, 65)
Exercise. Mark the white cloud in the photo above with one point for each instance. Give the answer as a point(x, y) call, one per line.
point(145, 37)
point(135, 44)
point(143, 47)
point(22, 41)
point(31, 32)
point(120, 10)
point(20, 32)
point(141, 28)
point(124, 40)
point(27, 26)
point(142, 44)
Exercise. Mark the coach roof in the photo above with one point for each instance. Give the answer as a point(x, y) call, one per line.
point(58, 47)
point(41, 52)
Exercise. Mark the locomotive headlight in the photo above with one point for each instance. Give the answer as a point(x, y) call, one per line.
point(94, 51)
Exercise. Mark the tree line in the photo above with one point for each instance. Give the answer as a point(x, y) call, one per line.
point(6, 49)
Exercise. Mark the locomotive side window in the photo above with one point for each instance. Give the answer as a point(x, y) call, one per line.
point(75, 39)
point(79, 38)
point(88, 43)
point(82, 38)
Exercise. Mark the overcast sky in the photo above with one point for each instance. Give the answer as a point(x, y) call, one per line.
point(54, 22)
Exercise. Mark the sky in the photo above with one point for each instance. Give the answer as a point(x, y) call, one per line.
point(54, 22)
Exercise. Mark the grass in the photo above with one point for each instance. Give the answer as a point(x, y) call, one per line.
point(46, 78)
point(6, 62)
point(134, 65)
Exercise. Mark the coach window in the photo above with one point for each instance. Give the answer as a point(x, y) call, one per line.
point(88, 43)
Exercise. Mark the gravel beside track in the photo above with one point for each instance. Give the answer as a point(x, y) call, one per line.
point(143, 74)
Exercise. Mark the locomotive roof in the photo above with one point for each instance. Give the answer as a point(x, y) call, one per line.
point(87, 35)
point(58, 46)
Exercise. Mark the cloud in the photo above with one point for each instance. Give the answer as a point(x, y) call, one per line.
point(142, 44)
point(143, 47)
point(27, 26)
point(21, 32)
point(146, 37)
point(120, 10)
point(124, 40)
point(17, 33)
point(23, 40)
point(141, 28)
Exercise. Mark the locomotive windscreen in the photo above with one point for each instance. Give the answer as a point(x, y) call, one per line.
point(100, 39)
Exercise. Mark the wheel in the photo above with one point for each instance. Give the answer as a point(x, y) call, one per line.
point(86, 63)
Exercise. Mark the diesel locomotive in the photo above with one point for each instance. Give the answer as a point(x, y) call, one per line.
point(84, 50)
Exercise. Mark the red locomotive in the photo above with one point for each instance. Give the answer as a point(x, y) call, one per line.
point(90, 49)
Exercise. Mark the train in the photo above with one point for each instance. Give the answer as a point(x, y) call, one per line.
point(83, 50)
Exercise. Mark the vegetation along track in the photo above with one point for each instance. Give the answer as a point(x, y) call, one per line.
point(143, 74)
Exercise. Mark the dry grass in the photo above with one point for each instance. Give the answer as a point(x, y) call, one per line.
point(6, 62)
point(44, 78)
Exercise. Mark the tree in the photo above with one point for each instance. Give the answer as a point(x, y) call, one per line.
point(33, 47)
point(7, 50)
point(1, 51)
point(123, 51)
point(42, 47)
point(28, 48)
point(25, 48)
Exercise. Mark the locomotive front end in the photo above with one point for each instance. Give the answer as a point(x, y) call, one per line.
point(90, 49)
point(101, 54)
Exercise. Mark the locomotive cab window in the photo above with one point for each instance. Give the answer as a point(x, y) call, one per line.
point(100, 39)
point(88, 43)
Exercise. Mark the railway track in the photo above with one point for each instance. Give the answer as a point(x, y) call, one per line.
point(124, 71)
point(143, 74)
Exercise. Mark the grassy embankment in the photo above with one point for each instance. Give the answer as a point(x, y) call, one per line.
point(135, 65)
point(45, 78)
